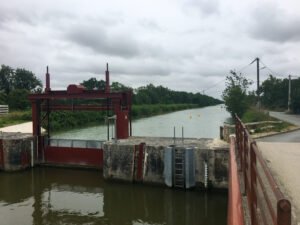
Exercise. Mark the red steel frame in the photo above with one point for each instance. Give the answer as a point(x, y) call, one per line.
point(257, 176)
point(46, 102)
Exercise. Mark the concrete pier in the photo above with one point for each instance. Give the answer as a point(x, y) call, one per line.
point(143, 159)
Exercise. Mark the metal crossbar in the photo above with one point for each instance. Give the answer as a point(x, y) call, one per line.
point(55, 142)
point(4, 109)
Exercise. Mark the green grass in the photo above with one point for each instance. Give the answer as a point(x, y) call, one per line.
point(15, 117)
point(253, 115)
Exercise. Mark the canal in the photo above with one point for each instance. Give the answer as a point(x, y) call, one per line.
point(45, 195)
point(197, 123)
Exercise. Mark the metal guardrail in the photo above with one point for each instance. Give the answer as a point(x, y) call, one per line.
point(55, 142)
point(266, 202)
point(235, 214)
point(4, 109)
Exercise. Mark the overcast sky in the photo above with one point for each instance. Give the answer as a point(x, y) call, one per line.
point(188, 45)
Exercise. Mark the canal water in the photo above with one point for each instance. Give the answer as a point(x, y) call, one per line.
point(197, 123)
point(71, 196)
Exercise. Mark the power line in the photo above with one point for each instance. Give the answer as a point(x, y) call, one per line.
point(214, 85)
point(277, 74)
point(243, 68)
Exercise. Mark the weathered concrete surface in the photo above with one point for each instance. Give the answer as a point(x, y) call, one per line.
point(16, 151)
point(291, 118)
point(283, 160)
point(120, 161)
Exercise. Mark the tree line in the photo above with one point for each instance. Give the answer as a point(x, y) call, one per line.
point(150, 94)
point(16, 84)
point(273, 94)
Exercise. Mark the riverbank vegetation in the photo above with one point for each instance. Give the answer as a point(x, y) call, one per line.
point(273, 94)
point(260, 121)
point(238, 100)
point(149, 100)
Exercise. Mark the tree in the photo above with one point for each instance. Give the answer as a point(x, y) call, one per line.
point(6, 77)
point(24, 79)
point(235, 94)
point(274, 92)
point(93, 83)
point(116, 86)
point(18, 99)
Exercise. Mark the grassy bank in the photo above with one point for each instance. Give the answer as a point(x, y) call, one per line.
point(15, 118)
point(253, 115)
point(65, 120)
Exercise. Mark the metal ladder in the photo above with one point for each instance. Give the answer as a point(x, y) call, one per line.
point(179, 168)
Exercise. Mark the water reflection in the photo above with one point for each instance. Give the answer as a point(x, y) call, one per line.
point(64, 196)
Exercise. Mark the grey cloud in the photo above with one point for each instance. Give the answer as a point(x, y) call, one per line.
point(149, 24)
point(101, 41)
point(272, 24)
point(204, 7)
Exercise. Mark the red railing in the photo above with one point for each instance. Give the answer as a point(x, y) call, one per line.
point(235, 214)
point(266, 202)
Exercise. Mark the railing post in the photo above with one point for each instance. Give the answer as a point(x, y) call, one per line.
point(242, 153)
point(253, 197)
point(283, 212)
point(245, 169)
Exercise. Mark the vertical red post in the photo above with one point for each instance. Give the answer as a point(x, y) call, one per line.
point(253, 196)
point(47, 89)
point(34, 118)
point(107, 85)
point(36, 128)
point(1, 155)
point(284, 212)
point(122, 124)
point(245, 169)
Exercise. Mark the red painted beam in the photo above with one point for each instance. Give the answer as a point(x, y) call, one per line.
point(78, 107)
point(235, 215)
point(86, 94)
point(74, 156)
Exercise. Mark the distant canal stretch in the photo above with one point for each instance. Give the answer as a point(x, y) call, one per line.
point(44, 196)
point(197, 123)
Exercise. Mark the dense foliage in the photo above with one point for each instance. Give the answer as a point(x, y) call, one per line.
point(275, 93)
point(151, 94)
point(15, 85)
point(235, 94)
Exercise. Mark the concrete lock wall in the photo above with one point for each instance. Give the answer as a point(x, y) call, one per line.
point(122, 161)
point(17, 150)
point(228, 129)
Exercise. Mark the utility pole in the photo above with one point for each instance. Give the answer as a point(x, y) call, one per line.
point(257, 90)
point(289, 97)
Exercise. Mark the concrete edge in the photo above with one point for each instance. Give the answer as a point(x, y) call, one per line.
point(275, 133)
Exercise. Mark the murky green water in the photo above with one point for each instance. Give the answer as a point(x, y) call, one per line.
point(72, 196)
